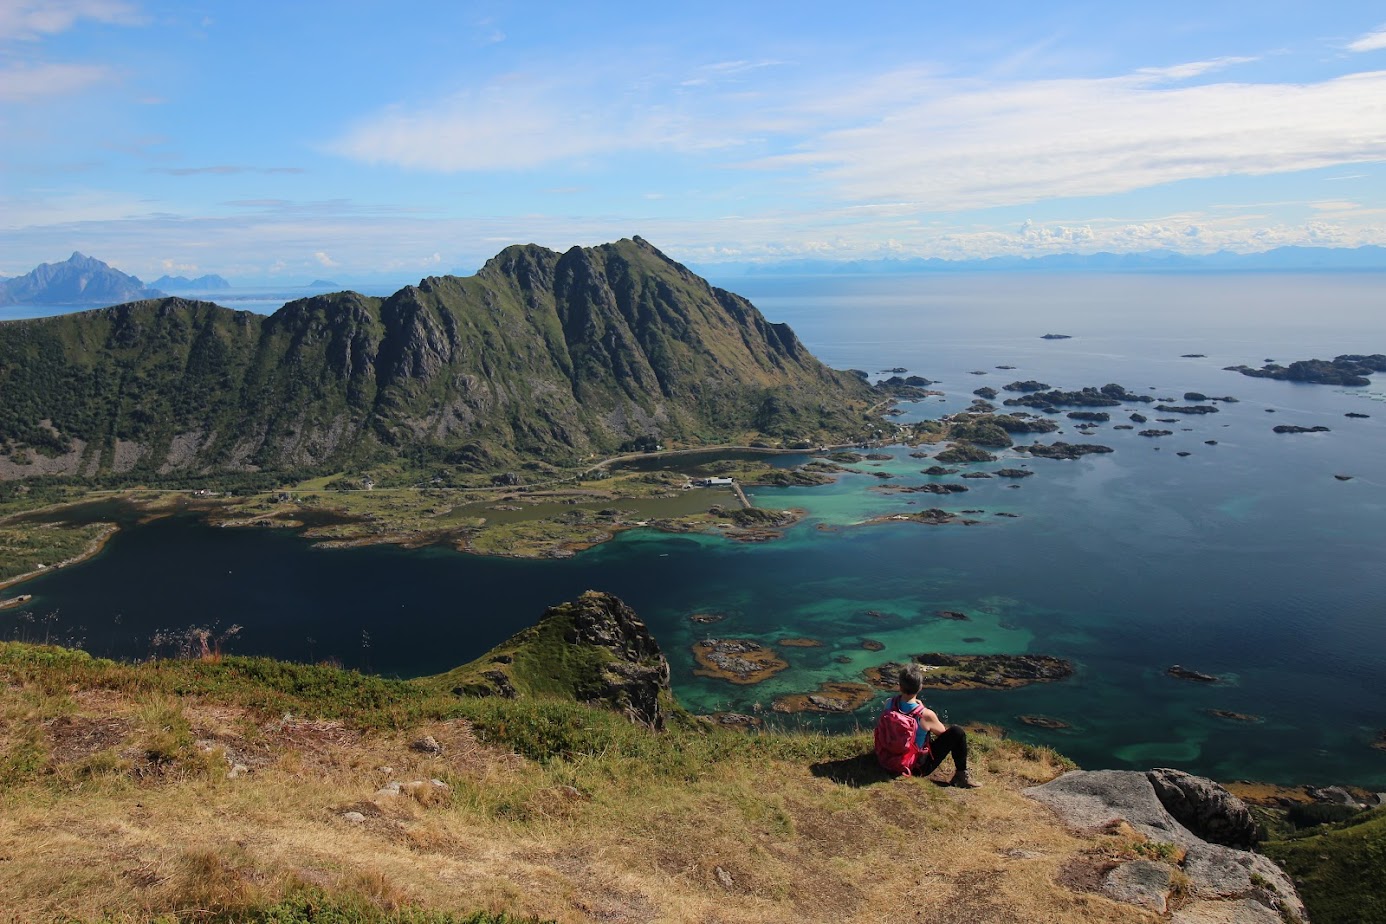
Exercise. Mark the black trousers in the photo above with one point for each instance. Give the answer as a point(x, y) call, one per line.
point(952, 741)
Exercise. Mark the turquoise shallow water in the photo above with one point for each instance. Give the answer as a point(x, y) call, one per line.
point(1247, 559)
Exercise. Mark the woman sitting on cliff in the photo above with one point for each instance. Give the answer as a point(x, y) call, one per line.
point(903, 743)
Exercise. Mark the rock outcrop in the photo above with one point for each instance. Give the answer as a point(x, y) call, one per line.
point(1206, 809)
point(594, 649)
point(1224, 883)
point(637, 673)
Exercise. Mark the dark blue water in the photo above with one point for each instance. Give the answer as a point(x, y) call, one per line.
point(1247, 559)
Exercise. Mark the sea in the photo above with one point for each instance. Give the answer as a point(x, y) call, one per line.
point(1223, 547)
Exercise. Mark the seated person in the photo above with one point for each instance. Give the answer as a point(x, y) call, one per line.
point(922, 755)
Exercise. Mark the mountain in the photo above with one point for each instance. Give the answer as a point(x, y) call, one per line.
point(79, 280)
point(1367, 258)
point(540, 354)
point(208, 283)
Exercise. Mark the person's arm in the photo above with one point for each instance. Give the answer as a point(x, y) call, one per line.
point(929, 721)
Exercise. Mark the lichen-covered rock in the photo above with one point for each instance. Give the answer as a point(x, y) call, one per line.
point(1141, 882)
point(1205, 808)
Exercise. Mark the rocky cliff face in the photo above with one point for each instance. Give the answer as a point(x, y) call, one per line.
point(539, 354)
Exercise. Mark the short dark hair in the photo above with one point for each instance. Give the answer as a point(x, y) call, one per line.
point(911, 679)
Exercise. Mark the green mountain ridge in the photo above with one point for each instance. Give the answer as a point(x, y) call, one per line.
point(539, 355)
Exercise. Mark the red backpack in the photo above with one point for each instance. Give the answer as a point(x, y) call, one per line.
point(896, 749)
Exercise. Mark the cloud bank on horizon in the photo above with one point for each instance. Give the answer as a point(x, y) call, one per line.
point(264, 144)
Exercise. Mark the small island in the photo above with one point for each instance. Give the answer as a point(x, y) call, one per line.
point(1044, 721)
point(962, 451)
point(933, 487)
point(932, 516)
point(832, 696)
point(976, 672)
point(1109, 395)
point(1288, 428)
point(1062, 450)
point(1184, 673)
point(1056, 337)
point(1349, 369)
point(736, 660)
point(1186, 408)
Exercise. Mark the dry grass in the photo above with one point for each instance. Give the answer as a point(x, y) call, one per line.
point(123, 807)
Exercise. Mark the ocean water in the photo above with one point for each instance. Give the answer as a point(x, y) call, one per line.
point(1246, 559)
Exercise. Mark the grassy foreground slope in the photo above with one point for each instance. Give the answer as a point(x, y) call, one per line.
point(222, 790)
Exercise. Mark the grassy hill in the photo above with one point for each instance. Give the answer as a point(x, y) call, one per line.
point(219, 789)
point(528, 785)
point(539, 355)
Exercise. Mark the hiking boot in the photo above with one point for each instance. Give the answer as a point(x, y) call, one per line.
point(963, 780)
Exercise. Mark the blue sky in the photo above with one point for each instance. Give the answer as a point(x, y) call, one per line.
point(358, 141)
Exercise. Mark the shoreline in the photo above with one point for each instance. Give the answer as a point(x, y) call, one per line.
point(91, 551)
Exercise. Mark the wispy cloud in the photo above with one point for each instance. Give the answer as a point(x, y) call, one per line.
point(1191, 69)
point(1372, 41)
point(27, 83)
point(966, 145)
point(517, 122)
point(223, 170)
point(324, 259)
point(28, 20)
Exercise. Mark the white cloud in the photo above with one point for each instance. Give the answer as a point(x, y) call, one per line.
point(1372, 41)
point(963, 145)
point(1191, 69)
point(24, 83)
point(324, 259)
point(568, 112)
point(905, 136)
point(29, 19)
point(173, 266)
point(514, 123)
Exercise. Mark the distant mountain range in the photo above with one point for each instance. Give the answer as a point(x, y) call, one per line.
point(1369, 258)
point(539, 355)
point(79, 280)
point(208, 283)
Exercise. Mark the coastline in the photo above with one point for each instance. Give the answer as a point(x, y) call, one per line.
point(91, 551)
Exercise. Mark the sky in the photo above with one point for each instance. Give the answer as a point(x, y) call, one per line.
point(287, 141)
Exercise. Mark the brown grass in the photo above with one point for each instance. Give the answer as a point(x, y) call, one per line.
point(126, 809)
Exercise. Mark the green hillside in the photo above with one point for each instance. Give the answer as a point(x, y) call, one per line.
point(1341, 871)
point(540, 354)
